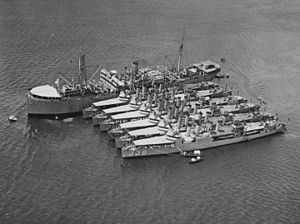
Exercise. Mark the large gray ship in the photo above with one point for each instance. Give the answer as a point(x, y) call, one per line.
point(72, 97)
point(174, 142)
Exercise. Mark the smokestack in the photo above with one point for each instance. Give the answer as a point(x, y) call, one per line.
point(197, 129)
point(206, 117)
point(186, 121)
point(160, 88)
point(155, 96)
point(166, 94)
point(189, 108)
point(137, 93)
point(119, 76)
point(184, 101)
point(217, 126)
point(195, 109)
point(135, 68)
point(188, 131)
point(176, 112)
point(178, 102)
point(179, 123)
point(173, 94)
point(139, 98)
point(181, 109)
point(162, 95)
point(143, 92)
point(149, 100)
point(160, 105)
point(166, 104)
point(200, 118)
point(169, 113)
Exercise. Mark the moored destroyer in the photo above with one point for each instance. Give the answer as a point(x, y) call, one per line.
point(122, 99)
point(176, 142)
point(206, 120)
point(72, 97)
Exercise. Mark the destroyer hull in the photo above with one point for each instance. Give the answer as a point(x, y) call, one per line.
point(121, 132)
point(62, 107)
point(91, 111)
point(197, 145)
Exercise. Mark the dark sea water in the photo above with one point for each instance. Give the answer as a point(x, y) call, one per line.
point(66, 171)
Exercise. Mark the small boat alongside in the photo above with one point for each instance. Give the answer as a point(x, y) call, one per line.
point(199, 72)
point(195, 159)
point(12, 118)
point(194, 153)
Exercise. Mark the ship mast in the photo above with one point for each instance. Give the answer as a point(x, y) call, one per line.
point(180, 52)
point(82, 70)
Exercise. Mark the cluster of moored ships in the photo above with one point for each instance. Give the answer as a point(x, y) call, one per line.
point(158, 111)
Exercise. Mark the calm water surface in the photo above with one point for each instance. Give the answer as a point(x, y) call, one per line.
point(66, 171)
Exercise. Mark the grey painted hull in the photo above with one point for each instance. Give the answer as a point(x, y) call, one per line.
point(72, 105)
point(197, 145)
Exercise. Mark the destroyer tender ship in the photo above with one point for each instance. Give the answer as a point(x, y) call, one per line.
point(73, 97)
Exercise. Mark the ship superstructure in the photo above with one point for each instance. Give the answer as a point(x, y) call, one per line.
point(70, 97)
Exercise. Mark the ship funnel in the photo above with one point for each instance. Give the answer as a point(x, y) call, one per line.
point(217, 126)
point(173, 102)
point(134, 72)
point(189, 108)
point(186, 121)
point(166, 104)
point(137, 93)
point(194, 109)
point(160, 105)
point(176, 112)
point(160, 89)
point(206, 117)
point(179, 122)
point(135, 68)
point(119, 76)
point(173, 94)
point(188, 131)
point(181, 109)
point(200, 117)
point(197, 129)
point(143, 92)
point(165, 94)
point(155, 96)
point(140, 98)
point(184, 101)
point(149, 100)
point(169, 113)
point(178, 102)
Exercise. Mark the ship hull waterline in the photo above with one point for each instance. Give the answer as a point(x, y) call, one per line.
point(62, 107)
point(200, 145)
